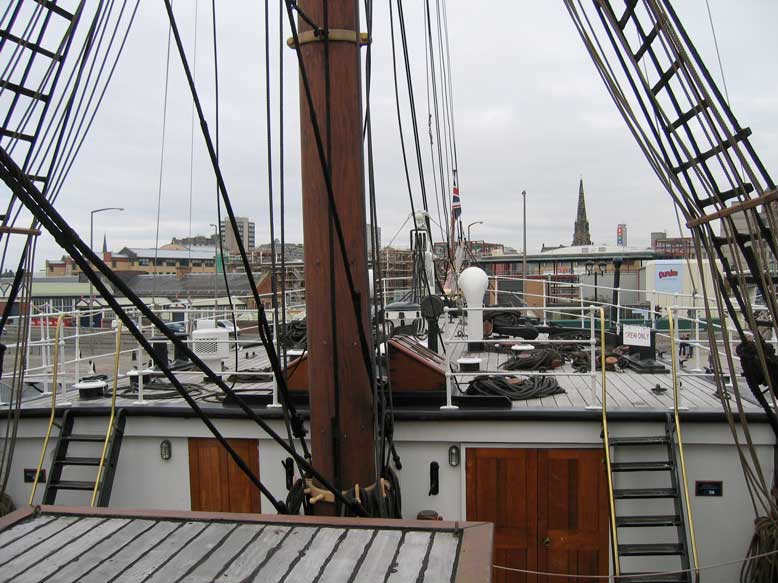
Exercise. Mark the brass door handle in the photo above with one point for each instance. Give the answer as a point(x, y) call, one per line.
point(547, 541)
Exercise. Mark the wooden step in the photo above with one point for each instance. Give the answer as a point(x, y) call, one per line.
point(639, 493)
point(643, 578)
point(84, 437)
point(651, 549)
point(658, 520)
point(641, 466)
point(72, 485)
point(79, 461)
point(653, 440)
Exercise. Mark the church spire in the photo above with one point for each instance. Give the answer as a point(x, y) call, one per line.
point(581, 233)
point(105, 244)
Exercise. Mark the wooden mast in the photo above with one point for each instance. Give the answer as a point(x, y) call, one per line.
point(339, 435)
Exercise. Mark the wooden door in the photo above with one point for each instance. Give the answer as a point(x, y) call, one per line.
point(549, 507)
point(502, 488)
point(573, 514)
point(216, 483)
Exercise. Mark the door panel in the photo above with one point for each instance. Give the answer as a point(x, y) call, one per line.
point(572, 513)
point(549, 507)
point(502, 488)
point(216, 483)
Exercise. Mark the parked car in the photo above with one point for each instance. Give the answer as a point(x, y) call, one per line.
point(176, 327)
point(233, 329)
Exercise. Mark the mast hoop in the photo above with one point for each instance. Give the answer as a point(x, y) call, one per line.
point(334, 35)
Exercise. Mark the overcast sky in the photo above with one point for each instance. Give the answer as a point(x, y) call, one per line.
point(530, 113)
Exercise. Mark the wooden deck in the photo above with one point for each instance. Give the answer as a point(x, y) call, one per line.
point(626, 390)
point(63, 545)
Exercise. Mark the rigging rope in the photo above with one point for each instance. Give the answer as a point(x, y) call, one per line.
point(192, 133)
point(161, 167)
point(53, 222)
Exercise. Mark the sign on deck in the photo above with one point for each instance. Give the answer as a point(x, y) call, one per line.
point(637, 335)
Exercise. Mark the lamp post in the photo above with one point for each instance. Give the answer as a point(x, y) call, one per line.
point(524, 259)
point(215, 269)
point(599, 271)
point(91, 247)
point(469, 242)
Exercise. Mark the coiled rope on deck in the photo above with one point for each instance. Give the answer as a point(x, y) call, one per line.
point(515, 388)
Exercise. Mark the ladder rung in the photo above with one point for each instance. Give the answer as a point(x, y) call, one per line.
point(636, 493)
point(36, 178)
point(23, 91)
point(742, 238)
point(739, 136)
point(657, 440)
point(16, 135)
point(646, 578)
point(665, 78)
point(766, 198)
point(631, 4)
point(647, 40)
point(746, 188)
point(660, 520)
point(79, 461)
point(641, 466)
point(84, 437)
point(697, 109)
point(55, 9)
point(72, 485)
point(36, 48)
point(651, 549)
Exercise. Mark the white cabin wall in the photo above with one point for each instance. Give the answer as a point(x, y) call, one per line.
point(724, 525)
point(415, 479)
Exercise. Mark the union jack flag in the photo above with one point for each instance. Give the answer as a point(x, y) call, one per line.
point(456, 204)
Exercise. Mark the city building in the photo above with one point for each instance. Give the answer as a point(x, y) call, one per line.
point(372, 232)
point(568, 272)
point(581, 234)
point(674, 247)
point(569, 260)
point(396, 272)
point(164, 261)
point(472, 248)
point(245, 230)
point(65, 266)
point(656, 236)
point(196, 241)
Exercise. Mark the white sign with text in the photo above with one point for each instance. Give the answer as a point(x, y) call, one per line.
point(637, 335)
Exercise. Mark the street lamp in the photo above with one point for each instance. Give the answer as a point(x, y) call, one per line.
point(601, 265)
point(524, 264)
point(470, 225)
point(469, 242)
point(91, 247)
point(215, 269)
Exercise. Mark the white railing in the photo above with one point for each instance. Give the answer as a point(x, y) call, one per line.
point(457, 336)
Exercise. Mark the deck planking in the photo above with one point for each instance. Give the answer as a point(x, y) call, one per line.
point(627, 390)
point(127, 548)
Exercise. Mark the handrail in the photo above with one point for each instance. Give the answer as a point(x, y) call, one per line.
point(674, 368)
point(606, 444)
point(54, 370)
point(110, 429)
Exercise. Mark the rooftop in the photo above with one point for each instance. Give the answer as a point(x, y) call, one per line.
point(151, 253)
point(580, 253)
point(95, 544)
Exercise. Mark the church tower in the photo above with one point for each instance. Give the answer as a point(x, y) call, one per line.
point(581, 234)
